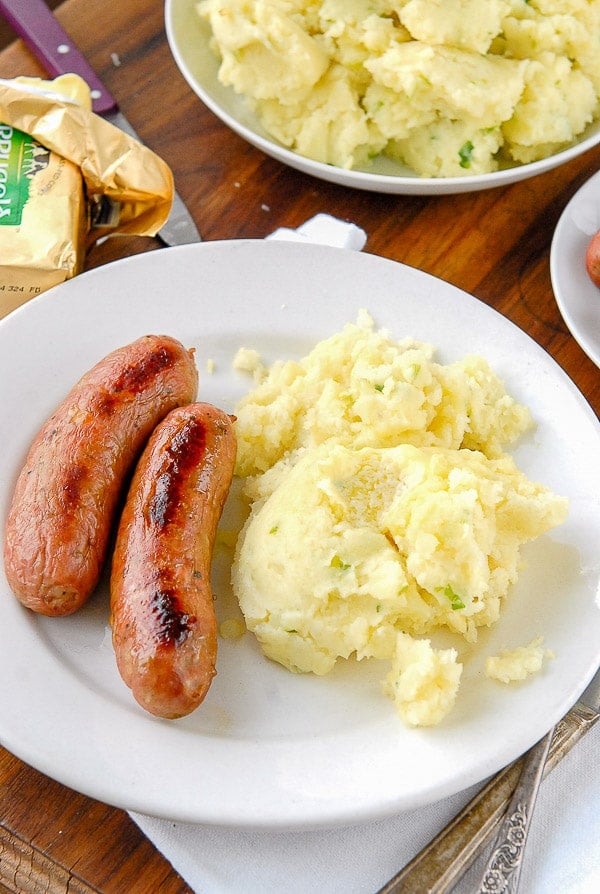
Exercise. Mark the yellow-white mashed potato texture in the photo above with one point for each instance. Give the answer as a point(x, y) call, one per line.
point(383, 510)
point(515, 665)
point(447, 87)
point(363, 388)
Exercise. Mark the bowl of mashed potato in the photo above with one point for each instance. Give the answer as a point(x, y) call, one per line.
point(413, 96)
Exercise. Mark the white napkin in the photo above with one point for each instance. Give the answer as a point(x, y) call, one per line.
point(563, 851)
point(324, 229)
point(562, 856)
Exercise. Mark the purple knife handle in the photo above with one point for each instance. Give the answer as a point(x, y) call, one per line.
point(35, 23)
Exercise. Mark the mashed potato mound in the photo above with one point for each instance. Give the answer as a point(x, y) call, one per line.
point(447, 87)
point(383, 509)
point(364, 389)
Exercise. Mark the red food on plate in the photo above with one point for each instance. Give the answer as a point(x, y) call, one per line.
point(162, 610)
point(67, 494)
point(592, 259)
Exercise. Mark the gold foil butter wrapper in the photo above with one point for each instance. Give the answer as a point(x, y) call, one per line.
point(67, 178)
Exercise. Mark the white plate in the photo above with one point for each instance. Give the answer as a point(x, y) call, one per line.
point(188, 38)
point(268, 748)
point(577, 297)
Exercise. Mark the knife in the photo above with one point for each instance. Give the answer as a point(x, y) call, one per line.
point(35, 23)
point(442, 863)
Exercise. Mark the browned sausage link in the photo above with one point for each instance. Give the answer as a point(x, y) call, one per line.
point(592, 258)
point(67, 494)
point(162, 612)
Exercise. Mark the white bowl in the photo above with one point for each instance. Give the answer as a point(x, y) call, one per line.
point(188, 38)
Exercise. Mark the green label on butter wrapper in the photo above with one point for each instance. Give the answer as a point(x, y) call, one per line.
point(21, 157)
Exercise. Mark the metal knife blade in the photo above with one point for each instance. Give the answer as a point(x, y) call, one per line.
point(438, 867)
point(35, 23)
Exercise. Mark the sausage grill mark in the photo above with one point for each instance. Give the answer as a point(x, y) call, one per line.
point(75, 476)
point(134, 379)
point(183, 453)
point(172, 624)
point(137, 377)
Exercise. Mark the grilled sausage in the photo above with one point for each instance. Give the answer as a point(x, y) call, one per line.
point(67, 494)
point(162, 614)
point(592, 258)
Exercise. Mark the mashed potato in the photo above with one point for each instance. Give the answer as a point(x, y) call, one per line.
point(383, 510)
point(448, 87)
point(513, 665)
point(365, 389)
point(423, 681)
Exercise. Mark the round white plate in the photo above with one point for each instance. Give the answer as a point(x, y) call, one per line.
point(189, 37)
point(577, 297)
point(269, 748)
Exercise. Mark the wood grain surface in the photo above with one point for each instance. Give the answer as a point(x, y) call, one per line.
point(494, 244)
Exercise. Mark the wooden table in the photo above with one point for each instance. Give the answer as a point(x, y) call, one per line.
point(494, 244)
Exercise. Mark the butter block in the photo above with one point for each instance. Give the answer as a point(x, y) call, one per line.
point(43, 218)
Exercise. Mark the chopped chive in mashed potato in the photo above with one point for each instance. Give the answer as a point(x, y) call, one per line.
point(383, 509)
point(447, 87)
